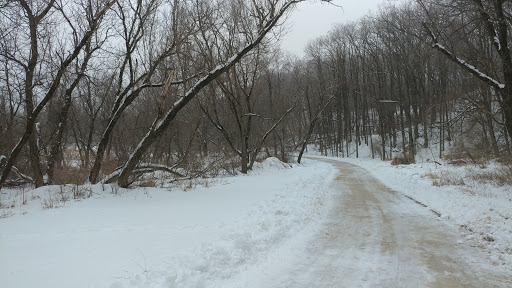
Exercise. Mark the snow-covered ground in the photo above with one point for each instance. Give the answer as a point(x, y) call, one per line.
point(224, 233)
point(149, 237)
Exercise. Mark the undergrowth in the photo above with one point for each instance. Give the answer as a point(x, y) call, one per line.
point(499, 176)
point(405, 159)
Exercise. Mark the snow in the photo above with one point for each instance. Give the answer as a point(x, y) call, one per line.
point(223, 232)
point(151, 237)
point(497, 41)
point(388, 101)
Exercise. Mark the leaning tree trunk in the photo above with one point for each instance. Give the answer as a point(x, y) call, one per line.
point(496, 24)
point(306, 138)
point(161, 123)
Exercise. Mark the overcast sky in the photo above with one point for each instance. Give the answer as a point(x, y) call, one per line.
point(313, 19)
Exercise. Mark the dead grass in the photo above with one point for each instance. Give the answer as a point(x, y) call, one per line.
point(405, 159)
point(81, 192)
point(57, 199)
point(460, 156)
point(505, 160)
point(497, 177)
point(6, 214)
point(70, 175)
point(189, 184)
point(449, 180)
point(109, 165)
point(150, 183)
point(50, 203)
point(432, 175)
point(446, 178)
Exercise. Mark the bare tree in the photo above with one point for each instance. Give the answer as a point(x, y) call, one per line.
point(311, 107)
point(133, 78)
point(266, 16)
point(488, 16)
point(33, 14)
point(240, 96)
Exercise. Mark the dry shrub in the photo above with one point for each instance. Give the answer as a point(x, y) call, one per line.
point(432, 175)
point(228, 165)
point(461, 156)
point(488, 238)
point(405, 159)
point(505, 160)
point(186, 184)
point(70, 153)
point(150, 183)
point(192, 183)
point(457, 162)
point(499, 177)
point(448, 178)
point(50, 203)
point(70, 175)
point(110, 165)
point(81, 191)
point(6, 213)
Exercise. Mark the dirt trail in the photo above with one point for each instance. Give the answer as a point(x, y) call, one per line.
point(376, 237)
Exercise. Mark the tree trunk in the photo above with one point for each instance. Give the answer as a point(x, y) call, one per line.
point(56, 149)
point(306, 138)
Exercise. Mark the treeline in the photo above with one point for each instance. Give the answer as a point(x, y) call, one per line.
point(110, 91)
point(421, 74)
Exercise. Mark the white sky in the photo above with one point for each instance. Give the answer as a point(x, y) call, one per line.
point(312, 19)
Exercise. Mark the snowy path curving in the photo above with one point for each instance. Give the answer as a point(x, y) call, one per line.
point(316, 225)
point(375, 237)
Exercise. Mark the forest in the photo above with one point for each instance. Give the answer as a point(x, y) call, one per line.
point(119, 91)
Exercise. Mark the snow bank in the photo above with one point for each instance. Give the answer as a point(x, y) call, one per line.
point(151, 237)
point(271, 164)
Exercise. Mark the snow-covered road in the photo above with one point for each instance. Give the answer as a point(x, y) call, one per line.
point(375, 237)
